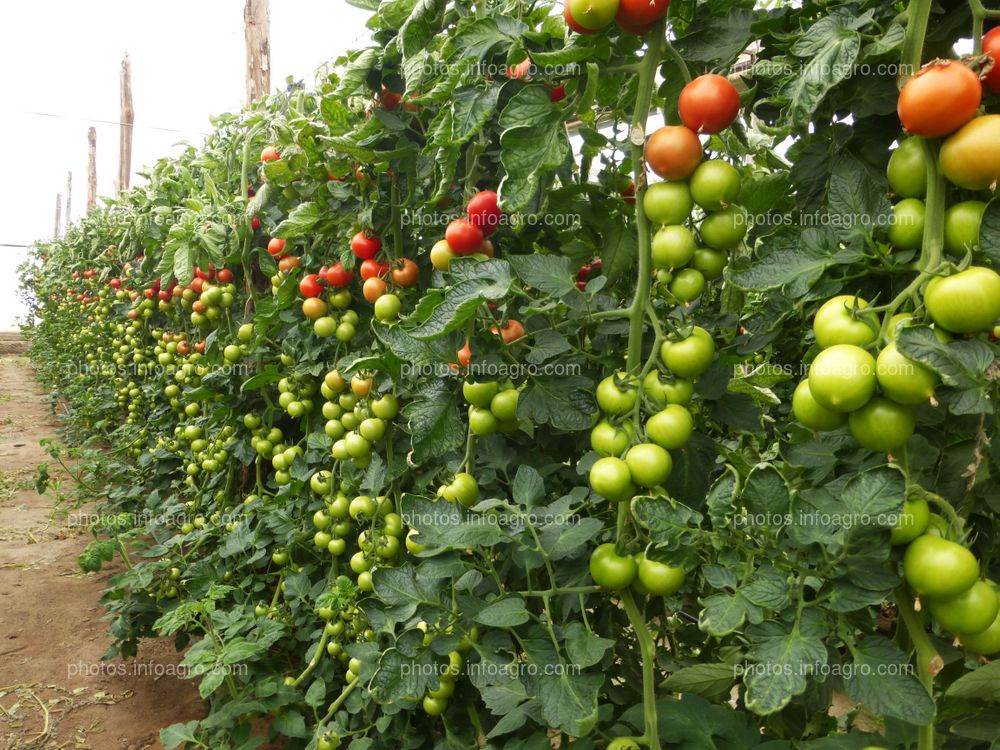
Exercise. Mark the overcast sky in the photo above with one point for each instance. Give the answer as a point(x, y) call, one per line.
point(61, 61)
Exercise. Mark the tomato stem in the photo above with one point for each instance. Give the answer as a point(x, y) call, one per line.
point(928, 661)
point(917, 15)
point(651, 737)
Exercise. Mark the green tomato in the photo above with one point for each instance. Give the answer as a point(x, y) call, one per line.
point(434, 706)
point(357, 446)
point(985, 643)
point(687, 285)
point(939, 568)
point(387, 307)
point(482, 422)
point(673, 246)
point(372, 429)
point(337, 547)
point(279, 557)
point(671, 427)
point(902, 379)
point(504, 405)
point(623, 743)
point(662, 392)
point(611, 479)
point(321, 482)
point(325, 327)
point(385, 407)
point(463, 489)
point(609, 440)
point(907, 170)
point(882, 425)
point(480, 394)
point(710, 262)
point(411, 542)
point(648, 464)
point(659, 578)
point(811, 414)
point(611, 570)
point(913, 521)
point(615, 399)
point(961, 227)
point(842, 378)
point(668, 202)
point(362, 508)
point(725, 229)
point(345, 332)
point(969, 613)
point(690, 356)
point(714, 184)
point(841, 321)
point(906, 231)
point(965, 302)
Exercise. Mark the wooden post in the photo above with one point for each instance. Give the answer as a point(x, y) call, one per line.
point(257, 22)
point(69, 195)
point(91, 169)
point(55, 236)
point(127, 119)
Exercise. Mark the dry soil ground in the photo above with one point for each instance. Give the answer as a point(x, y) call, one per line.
point(54, 690)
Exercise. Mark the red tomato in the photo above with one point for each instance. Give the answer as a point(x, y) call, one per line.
point(197, 285)
point(255, 223)
point(224, 275)
point(373, 288)
point(364, 245)
point(636, 16)
point(463, 237)
point(310, 285)
point(115, 283)
point(709, 103)
point(164, 295)
point(288, 262)
point(557, 93)
point(275, 246)
point(406, 274)
point(510, 331)
point(390, 99)
point(465, 354)
point(484, 212)
point(270, 153)
point(371, 268)
point(337, 276)
point(571, 22)
point(939, 99)
point(673, 152)
point(991, 47)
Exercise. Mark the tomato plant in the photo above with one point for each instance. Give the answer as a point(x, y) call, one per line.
point(487, 436)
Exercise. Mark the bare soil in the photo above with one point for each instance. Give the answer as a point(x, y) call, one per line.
point(55, 692)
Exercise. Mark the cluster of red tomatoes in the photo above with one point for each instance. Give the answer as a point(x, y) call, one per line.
point(468, 236)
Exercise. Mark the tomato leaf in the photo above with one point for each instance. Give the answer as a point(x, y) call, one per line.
point(433, 422)
point(503, 613)
point(981, 685)
point(711, 681)
point(883, 679)
point(782, 656)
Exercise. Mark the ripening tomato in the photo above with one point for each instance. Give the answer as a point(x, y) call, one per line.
point(465, 354)
point(337, 276)
point(289, 262)
point(841, 320)
point(708, 104)
point(520, 70)
point(591, 15)
point(405, 273)
point(365, 245)
point(907, 169)
point(571, 22)
point(373, 288)
point(673, 152)
point(275, 246)
point(939, 99)
point(811, 413)
point(965, 302)
point(224, 276)
point(842, 378)
point(971, 157)
point(269, 153)
point(557, 94)
point(463, 237)
point(370, 268)
point(483, 210)
point(991, 47)
point(510, 331)
point(939, 568)
point(310, 285)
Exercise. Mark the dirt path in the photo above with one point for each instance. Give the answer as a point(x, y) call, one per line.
point(54, 690)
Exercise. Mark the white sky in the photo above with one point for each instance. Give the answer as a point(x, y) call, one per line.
point(63, 57)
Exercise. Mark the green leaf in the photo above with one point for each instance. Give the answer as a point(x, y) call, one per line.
point(471, 108)
point(404, 589)
point(353, 78)
point(857, 199)
point(316, 694)
point(883, 679)
point(528, 486)
point(420, 27)
point(619, 251)
point(718, 40)
point(565, 402)
point(982, 684)
point(480, 38)
point(794, 260)
point(433, 422)
point(503, 613)
point(300, 222)
point(529, 107)
point(766, 493)
point(711, 681)
point(722, 614)
point(400, 678)
point(442, 525)
point(960, 364)
point(875, 493)
point(529, 155)
point(670, 524)
point(989, 233)
point(830, 50)
point(583, 646)
point(176, 734)
point(783, 655)
point(569, 701)
point(550, 274)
